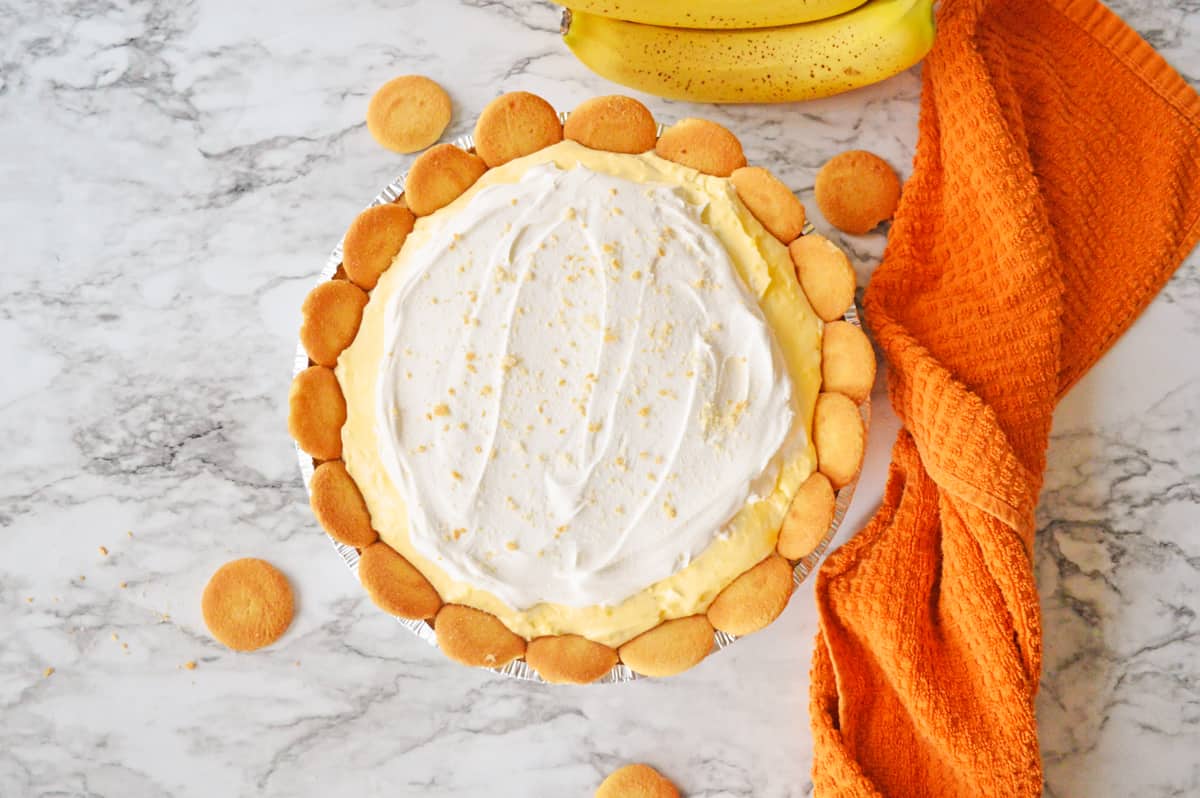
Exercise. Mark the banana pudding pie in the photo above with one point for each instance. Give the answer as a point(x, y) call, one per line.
point(582, 394)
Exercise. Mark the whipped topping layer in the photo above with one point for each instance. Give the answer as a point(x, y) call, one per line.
point(577, 390)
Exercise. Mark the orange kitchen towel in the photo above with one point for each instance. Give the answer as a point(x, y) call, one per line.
point(1056, 187)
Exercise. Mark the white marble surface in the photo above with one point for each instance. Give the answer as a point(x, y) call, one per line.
point(174, 173)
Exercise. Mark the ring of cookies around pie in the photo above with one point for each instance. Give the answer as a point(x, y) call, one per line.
point(512, 127)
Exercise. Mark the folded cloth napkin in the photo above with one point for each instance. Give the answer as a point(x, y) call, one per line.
point(1056, 187)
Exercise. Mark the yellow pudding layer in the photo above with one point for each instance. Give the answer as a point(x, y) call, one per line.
point(765, 267)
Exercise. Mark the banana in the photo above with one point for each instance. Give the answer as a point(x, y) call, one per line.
point(714, 13)
point(796, 62)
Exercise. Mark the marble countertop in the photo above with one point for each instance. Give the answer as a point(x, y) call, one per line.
point(176, 172)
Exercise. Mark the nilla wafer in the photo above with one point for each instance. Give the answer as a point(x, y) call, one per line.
point(438, 176)
point(839, 438)
point(408, 113)
point(331, 314)
point(613, 123)
point(476, 638)
point(636, 781)
point(669, 648)
point(808, 517)
point(513, 125)
point(316, 412)
point(247, 604)
point(824, 273)
point(374, 238)
point(703, 145)
point(569, 659)
point(847, 361)
point(857, 190)
point(395, 585)
point(339, 506)
point(754, 599)
point(771, 202)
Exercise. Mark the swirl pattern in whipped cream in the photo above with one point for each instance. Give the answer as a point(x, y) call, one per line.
point(578, 391)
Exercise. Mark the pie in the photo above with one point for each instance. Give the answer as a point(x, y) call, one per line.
point(573, 420)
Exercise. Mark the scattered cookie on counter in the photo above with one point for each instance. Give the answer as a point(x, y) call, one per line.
point(408, 113)
point(636, 781)
point(247, 604)
point(857, 190)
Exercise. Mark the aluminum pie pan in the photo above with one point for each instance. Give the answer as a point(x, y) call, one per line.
point(519, 669)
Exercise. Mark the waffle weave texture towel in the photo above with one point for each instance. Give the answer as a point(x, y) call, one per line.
point(1056, 187)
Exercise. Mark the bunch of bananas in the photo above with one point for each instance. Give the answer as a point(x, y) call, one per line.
point(747, 51)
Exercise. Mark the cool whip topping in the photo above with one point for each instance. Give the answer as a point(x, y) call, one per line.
point(578, 391)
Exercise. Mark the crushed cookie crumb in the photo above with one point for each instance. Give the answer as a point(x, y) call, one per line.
point(455, 475)
point(441, 409)
point(669, 509)
point(190, 665)
point(46, 674)
point(103, 551)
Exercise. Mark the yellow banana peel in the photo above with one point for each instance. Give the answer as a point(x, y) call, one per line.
point(714, 13)
point(796, 62)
